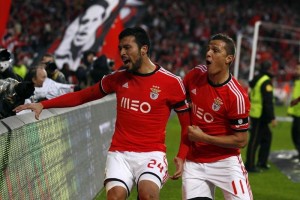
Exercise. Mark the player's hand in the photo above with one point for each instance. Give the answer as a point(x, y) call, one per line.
point(35, 107)
point(179, 168)
point(195, 133)
point(274, 123)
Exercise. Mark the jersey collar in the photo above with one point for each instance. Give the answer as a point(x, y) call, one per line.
point(221, 84)
point(149, 74)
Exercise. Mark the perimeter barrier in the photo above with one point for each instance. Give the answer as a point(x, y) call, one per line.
point(61, 156)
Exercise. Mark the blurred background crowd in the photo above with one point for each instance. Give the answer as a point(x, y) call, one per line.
point(179, 31)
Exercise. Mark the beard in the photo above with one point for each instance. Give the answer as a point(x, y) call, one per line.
point(136, 65)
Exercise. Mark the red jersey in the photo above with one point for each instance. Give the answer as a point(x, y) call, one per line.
point(217, 110)
point(144, 103)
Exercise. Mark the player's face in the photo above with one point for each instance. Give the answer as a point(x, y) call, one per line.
point(130, 53)
point(217, 60)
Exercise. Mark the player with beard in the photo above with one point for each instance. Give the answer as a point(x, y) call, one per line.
point(145, 93)
point(219, 127)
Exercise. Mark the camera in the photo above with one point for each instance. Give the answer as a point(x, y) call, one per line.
point(110, 62)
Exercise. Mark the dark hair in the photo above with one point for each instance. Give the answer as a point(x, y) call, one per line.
point(4, 55)
point(230, 45)
point(265, 66)
point(49, 55)
point(141, 36)
point(32, 72)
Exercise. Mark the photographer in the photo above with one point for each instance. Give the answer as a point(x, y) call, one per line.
point(12, 94)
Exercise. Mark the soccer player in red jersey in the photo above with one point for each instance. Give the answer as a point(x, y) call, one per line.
point(146, 93)
point(219, 118)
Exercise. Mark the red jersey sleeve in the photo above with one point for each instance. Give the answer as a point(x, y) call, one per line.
point(178, 101)
point(239, 108)
point(75, 98)
point(110, 82)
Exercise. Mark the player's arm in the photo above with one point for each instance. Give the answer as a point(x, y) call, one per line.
point(238, 139)
point(184, 120)
point(68, 100)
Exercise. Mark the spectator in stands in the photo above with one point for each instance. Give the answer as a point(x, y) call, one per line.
point(294, 111)
point(6, 66)
point(20, 68)
point(102, 66)
point(46, 88)
point(261, 115)
point(70, 75)
point(84, 69)
point(146, 93)
point(52, 71)
point(12, 94)
point(37, 75)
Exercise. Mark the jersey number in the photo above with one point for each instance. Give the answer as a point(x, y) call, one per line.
point(153, 164)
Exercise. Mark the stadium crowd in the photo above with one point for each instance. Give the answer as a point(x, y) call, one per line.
point(179, 31)
point(181, 28)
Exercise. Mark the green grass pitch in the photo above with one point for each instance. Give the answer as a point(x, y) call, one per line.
point(271, 184)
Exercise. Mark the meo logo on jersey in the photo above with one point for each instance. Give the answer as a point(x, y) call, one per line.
point(201, 114)
point(135, 105)
point(154, 92)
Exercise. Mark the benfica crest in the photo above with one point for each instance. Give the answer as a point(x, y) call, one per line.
point(217, 104)
point(154, 92)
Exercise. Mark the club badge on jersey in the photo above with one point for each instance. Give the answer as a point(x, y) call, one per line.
point(154, 92)
point(217, 104)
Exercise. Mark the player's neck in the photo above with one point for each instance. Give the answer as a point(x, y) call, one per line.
point(218, 79)
point(147, 66)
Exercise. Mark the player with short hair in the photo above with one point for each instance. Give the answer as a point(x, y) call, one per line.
point(145, 94)
point(219, 127)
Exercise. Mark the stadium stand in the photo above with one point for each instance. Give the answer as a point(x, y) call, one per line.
point(179, 29)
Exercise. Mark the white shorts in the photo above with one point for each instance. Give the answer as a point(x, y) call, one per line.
point(200, 179)
point(128, 168)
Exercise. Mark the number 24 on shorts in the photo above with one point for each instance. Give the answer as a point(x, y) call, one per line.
point(153, 163)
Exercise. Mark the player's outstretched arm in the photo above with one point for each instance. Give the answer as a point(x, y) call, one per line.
point(35, 107)
point(67, 100)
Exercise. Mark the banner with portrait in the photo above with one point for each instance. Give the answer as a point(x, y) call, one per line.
point(86, 32)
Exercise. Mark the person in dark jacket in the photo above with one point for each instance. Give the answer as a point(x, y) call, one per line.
point(12, 94)
point(100, 68)
point(261, 115)
point(294, 112)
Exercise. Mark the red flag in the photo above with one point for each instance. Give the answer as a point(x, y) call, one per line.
point(4, 14)
point(111, 41)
